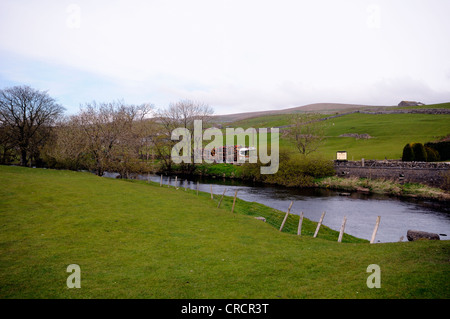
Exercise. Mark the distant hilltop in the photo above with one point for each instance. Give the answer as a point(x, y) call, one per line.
point(339, 108)
point(317, 107)
point(410, 103)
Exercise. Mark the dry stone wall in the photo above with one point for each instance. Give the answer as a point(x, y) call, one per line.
point(432, 174)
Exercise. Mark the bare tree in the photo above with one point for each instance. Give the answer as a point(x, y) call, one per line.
point(178, 115)
point(108, 130)
point(6, 145)
point(26, 117)
point(307, 132)
point(103, 136)
point(67, 147)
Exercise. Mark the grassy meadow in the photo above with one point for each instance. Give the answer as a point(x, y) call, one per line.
point(134, 239)
point(389, 133)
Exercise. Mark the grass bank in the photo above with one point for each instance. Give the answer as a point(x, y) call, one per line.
point(383, 186)
point(133, 239)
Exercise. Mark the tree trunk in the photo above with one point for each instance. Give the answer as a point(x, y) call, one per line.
point(23, 158)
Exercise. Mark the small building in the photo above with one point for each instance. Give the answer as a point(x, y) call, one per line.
point(410, 103)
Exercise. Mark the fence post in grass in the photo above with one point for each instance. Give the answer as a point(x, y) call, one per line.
point(220, 201)
point(234, 201)
point(341, 233)
point(286, 216)
point(176, 182)
point(375, 230)
point(160, 182)
point(197, 188)
point(211, 192)
point(185, 185)
point(319, 224)
point(300, 221)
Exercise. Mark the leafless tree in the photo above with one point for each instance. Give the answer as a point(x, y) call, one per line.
point(26, 118)
point(307, 132)
point(6, 145)
point(103, 136)
point(178, 115)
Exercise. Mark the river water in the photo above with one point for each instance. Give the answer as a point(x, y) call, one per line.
point(397, 215)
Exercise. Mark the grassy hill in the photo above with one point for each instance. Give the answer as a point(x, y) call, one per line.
point(389, 132)
point(325, 108)
point(133, 239)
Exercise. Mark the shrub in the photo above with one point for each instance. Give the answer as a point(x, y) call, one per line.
point(408, 153)
point(292, 172)
point(432, 154)
point(420, 154)
point(443, 149)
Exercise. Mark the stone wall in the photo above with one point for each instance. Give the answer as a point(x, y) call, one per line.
point(432, 174)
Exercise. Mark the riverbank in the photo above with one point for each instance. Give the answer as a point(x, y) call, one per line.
point(135, 239)
point(344, 184)
point(383, 187)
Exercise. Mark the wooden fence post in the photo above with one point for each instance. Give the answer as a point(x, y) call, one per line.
point(176, 182)
point(286, 216)
point(234, 201)
point(375, 230)
point(319, 224)
point(211, 192)
point(341, 233)
point(197, 188)
point(220, 201)
point(185, 185)
point(300, 221)
point(160, 182)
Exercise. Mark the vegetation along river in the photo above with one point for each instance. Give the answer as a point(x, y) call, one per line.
point(397, 215)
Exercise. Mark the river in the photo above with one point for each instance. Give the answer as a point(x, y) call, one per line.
point(397, 215)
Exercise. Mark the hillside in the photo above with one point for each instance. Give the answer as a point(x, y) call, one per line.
point(388, 128)
point(132, 239)
point(325, 108)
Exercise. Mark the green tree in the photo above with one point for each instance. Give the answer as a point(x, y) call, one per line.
point(408, 153)
point(420, 154)
point(432, 154)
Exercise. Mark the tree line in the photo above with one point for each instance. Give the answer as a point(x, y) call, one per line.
point(107, 136)
point(111, 136)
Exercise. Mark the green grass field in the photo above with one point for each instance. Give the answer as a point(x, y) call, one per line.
point(389, 132)
point(132, 239)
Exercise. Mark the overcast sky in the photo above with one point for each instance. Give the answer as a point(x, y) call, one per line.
point(236, 56)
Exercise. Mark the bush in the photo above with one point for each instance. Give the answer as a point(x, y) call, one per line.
point(432, 154)
point(292, 172)
point(408, 153)
point(420, 154)
point(442, 148)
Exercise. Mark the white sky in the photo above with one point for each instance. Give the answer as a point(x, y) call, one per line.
point(237, 56)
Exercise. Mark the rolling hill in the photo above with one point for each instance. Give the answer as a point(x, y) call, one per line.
point(325, 108)
point(389, 127)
